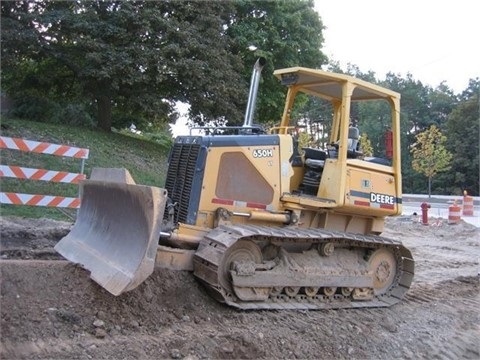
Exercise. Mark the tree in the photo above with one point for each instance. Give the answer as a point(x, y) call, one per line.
point(430, 155)
point(442, 100)
point(136, 57)
point(463, 141)
point(287, 33)
point(365, 145)
point(421, 107)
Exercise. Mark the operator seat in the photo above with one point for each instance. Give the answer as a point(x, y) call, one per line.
point(353, 146)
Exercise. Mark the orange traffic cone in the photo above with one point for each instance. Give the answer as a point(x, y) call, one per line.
point(454, 212)
point(467, 204)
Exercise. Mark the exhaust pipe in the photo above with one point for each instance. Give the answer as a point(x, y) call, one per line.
point(252, 94)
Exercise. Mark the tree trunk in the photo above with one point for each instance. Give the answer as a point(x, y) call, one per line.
point(429, 187)
point(104, 116)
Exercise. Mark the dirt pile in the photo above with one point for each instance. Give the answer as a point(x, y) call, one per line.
point(51, 309)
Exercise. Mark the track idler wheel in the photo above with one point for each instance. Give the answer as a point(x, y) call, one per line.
point(242, 258)
point(383, 267)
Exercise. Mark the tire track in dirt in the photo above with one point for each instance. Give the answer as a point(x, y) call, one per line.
point(436, 321)
point(454, 323)
point(50, 308)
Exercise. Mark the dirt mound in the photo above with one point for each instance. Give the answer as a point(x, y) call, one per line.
point(51, 309)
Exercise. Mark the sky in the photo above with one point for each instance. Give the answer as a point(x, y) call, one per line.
point(435, 41)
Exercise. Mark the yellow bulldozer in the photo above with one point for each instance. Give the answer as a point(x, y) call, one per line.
point(262, 222)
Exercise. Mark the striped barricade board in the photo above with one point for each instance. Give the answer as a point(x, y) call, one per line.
point(42, 147)
point(41, 174)
point(39, 200)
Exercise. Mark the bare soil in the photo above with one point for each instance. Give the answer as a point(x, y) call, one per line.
point(50, 309)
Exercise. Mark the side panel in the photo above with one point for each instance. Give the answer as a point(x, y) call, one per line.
point(370, 189)
point(242, 173)
point(331, 186)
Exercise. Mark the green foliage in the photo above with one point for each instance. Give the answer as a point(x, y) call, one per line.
point(121, 62)
point(373, 119)
point(133, 57)
point(463, 141)
point(144, 158)
point(430, 155)
point(415, 117)
point(304, 140)
point(113, 63)
point(442, 101)
point(287, 33)
point(315, 114)
point(366, 145)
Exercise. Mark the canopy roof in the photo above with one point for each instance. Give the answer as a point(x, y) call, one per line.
point(328, 85)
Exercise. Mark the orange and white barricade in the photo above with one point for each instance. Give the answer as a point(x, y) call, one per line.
point(454, 213)
point(467, 204)
point(39, 200)
point(42, 147)
point(19, 172)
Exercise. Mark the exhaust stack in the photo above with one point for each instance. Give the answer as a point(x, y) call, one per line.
point(252, 94)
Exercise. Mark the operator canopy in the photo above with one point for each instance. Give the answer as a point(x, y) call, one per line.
point(329, 85)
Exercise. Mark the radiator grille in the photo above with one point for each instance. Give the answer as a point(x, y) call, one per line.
point(180, 176)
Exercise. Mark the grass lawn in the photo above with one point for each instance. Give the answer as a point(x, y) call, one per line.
point(145, 159)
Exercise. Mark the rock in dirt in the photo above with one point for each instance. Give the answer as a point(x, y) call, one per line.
point(51, 309)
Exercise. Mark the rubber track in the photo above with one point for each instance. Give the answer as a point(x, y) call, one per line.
point(212, 248)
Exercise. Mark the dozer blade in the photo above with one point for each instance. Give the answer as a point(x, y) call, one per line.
point(116, 233)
